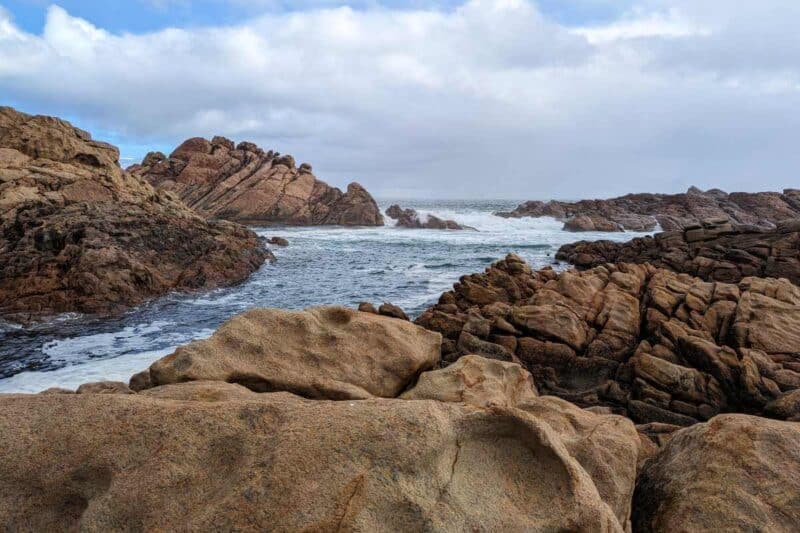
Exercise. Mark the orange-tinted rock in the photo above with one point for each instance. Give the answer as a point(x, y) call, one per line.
point(79, 234)
point(246, 184)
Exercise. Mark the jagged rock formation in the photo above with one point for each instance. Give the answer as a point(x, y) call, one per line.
point(656, 346)
point(469, 447)
point(642, 212)
point(212, 455)
point(243, 183)
point(409, 218)
point(79, 234)
point(734, 473)
point(714, 251)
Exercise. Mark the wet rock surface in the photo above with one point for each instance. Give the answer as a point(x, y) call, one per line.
point(77, 234)
point(244, 183)
point(648, 343)
point(409, 218)
point(714, 250)
point(643, 212)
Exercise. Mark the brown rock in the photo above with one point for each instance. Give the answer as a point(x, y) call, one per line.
point(654, 345)
point(245, 184)
point(278, 241)
point(78, 234)
point(391, 310)
point(733, 473)
point(216, 456)
point(409, 218)
point(477, 381)
point(104, 387)
point(323, 352)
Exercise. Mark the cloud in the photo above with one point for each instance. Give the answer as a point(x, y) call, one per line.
point(490, 98)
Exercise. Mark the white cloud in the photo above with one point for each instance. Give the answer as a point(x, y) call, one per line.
point(490, 99)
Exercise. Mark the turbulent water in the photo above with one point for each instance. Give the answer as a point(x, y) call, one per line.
point(322, 265)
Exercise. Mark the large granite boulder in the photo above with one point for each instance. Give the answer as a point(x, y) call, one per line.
point(714, 250)
point(323, 352)
point(243, 183)
point(733, 473)
point(78, 234)
point(643, 212)
point(656, 346)
point(217, 456)
point(409, 218)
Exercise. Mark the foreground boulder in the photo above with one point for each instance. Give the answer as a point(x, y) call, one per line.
point(78, 234)
point(324, 352)
point(714, 250)
point(653, 345)
point(734, 473)
point(243, 183)
point(409, 218)
point(217, 456)
point(643, 212)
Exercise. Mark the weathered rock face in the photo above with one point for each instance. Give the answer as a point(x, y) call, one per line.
point(245, 184)
point(217, 456)
point(79, 234)
point(641, 212)
point(734, 473)
point(656, 346)
point(409, 218)
point(323, 352)
point(713, 251)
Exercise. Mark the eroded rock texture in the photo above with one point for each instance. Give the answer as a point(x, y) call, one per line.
point(642, 212)
point(734, 473)
point(79, 234)
point(713, 250)
point(245, 184)
point(656, 346)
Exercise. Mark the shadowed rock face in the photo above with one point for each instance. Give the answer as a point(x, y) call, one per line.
point(409, 218)
point(244, 183)
point(642, 212)
point(656, 346)
point(79, 234)
point(713, 251)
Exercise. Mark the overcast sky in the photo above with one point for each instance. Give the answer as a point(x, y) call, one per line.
point(480, 99)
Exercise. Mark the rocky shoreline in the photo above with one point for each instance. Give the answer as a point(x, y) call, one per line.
point(78, 234)
point(645, 211)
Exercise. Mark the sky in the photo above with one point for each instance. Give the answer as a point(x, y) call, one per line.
point(501, 99)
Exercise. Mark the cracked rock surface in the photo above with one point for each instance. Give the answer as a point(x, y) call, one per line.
point(243, 183)
point(77, 234)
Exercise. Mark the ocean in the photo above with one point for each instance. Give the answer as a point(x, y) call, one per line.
point(321, 266)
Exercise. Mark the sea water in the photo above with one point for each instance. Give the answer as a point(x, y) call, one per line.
point(321, 266)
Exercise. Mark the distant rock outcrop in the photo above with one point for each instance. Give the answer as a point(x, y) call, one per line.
point(79, 234)
point(642, 212)
point(409, 218)
point(243, 183)
point(715, 250)
point(656, 346)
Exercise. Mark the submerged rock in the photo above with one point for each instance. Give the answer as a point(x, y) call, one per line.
point(409, 218)
point(246, 184)
point(77, 234)
point(278, 241)
point(643, 212)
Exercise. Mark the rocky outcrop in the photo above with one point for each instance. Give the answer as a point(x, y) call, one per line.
point(642, 212)
point(653, 345)
point(324, 352)
point(243, 183)
point(734, 473)
point(714, 250)
point(78, 234)
point(278, 241)
point(409, 218)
